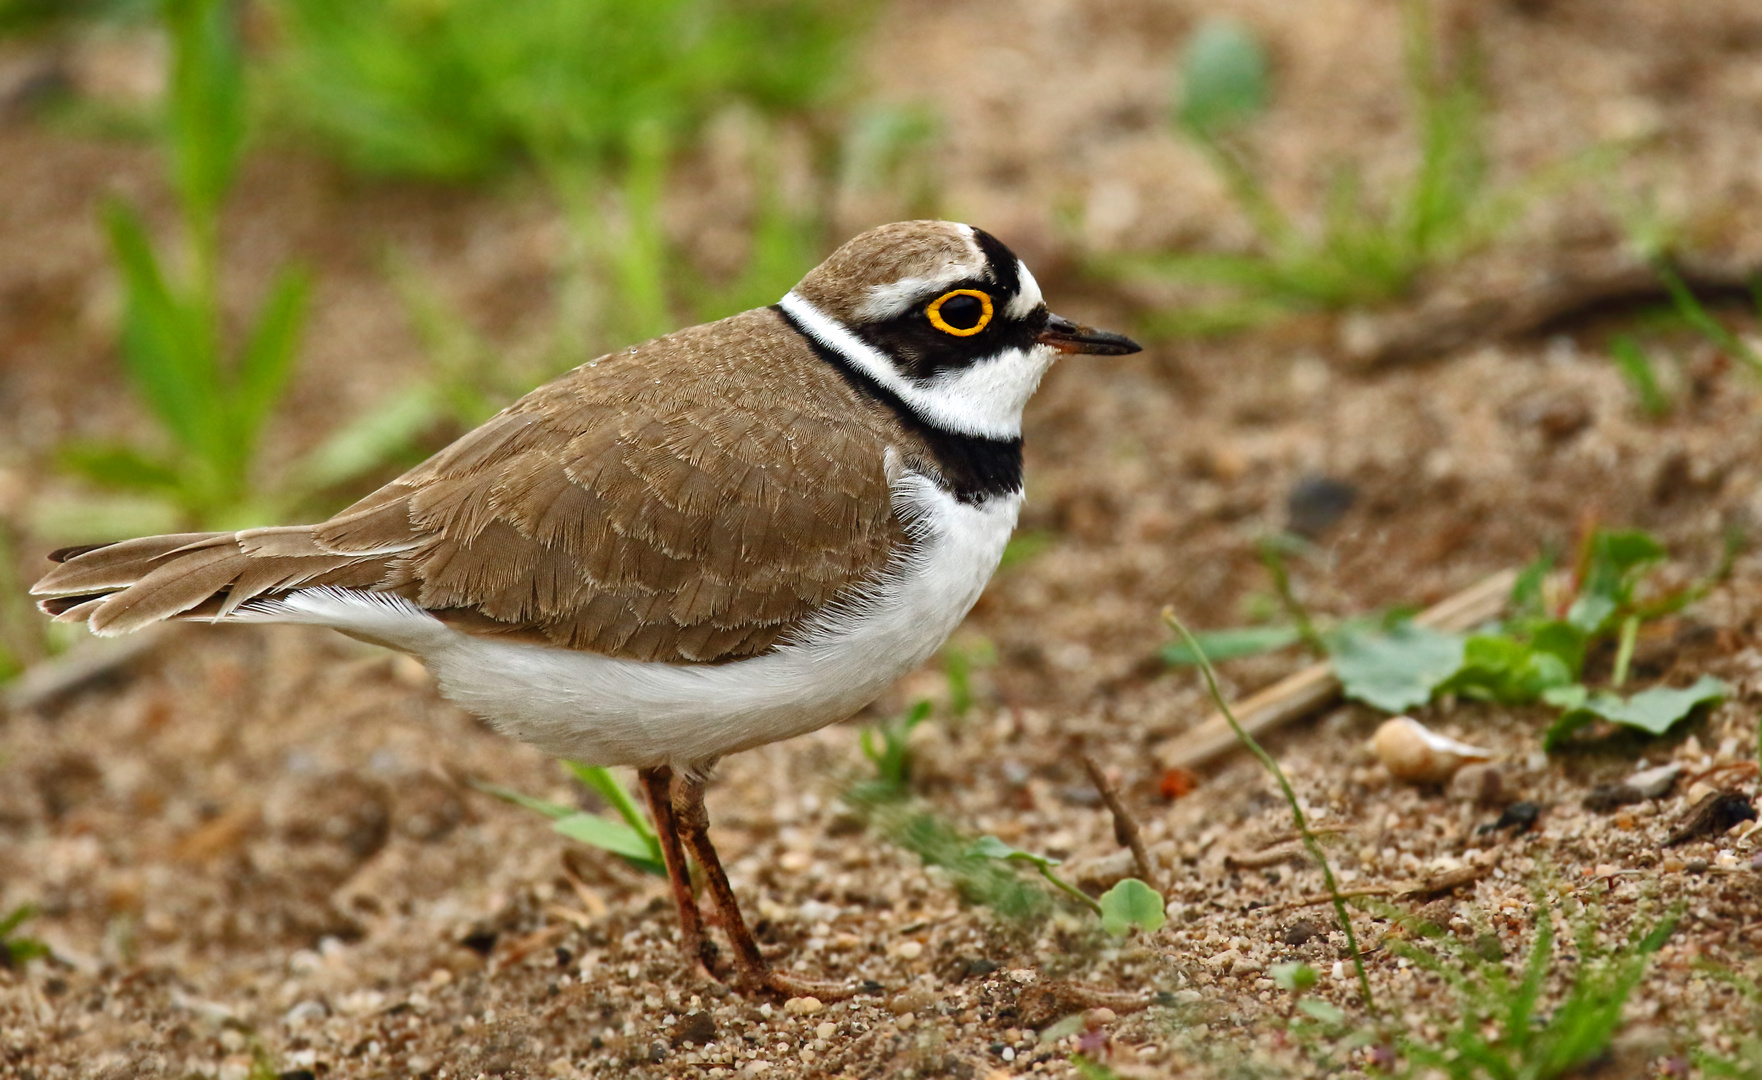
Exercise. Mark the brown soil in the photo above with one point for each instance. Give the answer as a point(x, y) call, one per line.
point(256, 841)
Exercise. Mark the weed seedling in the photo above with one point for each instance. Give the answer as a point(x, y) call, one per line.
point(1298, 818)
point(1365, 250)
point(211, 397)
point(1501, 1029)
point(17, 950)
point(629, 836)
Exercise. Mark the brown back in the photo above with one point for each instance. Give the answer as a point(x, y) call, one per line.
point(697, 498)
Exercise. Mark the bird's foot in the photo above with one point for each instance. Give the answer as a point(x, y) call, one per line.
point(766, 979)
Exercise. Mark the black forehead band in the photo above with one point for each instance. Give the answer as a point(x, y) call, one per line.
point(1002, 260)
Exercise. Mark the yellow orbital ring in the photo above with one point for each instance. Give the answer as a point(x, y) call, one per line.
point(934, 311)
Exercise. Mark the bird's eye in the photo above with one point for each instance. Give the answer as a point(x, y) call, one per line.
point(963, 312)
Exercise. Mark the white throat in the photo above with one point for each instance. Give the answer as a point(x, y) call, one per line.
point(985, 398)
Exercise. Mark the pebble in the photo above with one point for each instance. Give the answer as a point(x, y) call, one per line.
point(306, 1012)
point(910, 950)
point(1478, 782)
point(803, 1006)
point(904, 1021)
point(1101, 1015)
point(1415, 753)
point(826, 1030)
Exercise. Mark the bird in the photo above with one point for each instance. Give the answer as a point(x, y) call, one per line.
point(733, 534)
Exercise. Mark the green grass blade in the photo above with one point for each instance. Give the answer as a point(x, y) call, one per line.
point(120, 467)
point(376, 438)
point(268, 357)
point(554, 811)
point(602, 781)
point(207, 110)
point(163, 348)
point(613, 836)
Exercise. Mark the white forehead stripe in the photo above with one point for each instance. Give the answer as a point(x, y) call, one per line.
point(1027, 296)
point(984, 398)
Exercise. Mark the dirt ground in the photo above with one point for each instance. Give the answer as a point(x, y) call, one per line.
point(253, 845)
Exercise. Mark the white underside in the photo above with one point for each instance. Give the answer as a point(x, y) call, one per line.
point(605, 711)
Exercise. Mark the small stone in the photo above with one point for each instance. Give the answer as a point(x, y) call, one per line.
point(1101, 1015)
point(904, 1021)
point(1518, 817)
point(1478, 782)
point(909, 950)
point(696, 1029)
point(826, 1030)
point(1301, 932)
point(1713, 815)
point(803, 1006)
point(1696, 866)
point(306, 1012)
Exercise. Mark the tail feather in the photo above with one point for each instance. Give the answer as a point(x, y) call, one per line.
point(116, 588)
point(111, 566)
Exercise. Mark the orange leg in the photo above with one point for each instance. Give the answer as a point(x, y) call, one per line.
point(657, 785)
point(752, 971)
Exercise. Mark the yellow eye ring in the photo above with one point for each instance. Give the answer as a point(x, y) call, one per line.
point(934, 311)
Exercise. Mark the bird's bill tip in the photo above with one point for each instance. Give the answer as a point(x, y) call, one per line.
point(1069, 337)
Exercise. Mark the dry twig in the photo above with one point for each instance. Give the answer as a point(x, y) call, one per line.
point(1125, 826)
point(1315, 686)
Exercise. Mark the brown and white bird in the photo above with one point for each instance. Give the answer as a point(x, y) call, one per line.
point(730, 535)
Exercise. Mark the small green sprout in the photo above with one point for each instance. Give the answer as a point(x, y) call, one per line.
point(630, 837)
point(17, 950)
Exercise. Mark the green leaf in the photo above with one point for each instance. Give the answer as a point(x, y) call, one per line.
point(1130, 904)
point(990, 847)
point(1229, 644)
point(1293, 976)
point(1326, 1012)
point(602, 781)
point(1398, 668)
point(1653, 711)
point(268, 358)
point(207, 108)
point(612, 836)
point(1497, 667)
point(369, 441)
point(1224, 81)
point(120, 467)
point(554, 811)
point(163, 348)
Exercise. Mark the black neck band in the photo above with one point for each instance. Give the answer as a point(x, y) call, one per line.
point(973, 467)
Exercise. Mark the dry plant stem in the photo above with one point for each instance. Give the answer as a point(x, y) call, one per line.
point(94, 660)
point(1330, 898)
point(1310, 840)
point(1125, 826)
point(1302, 693)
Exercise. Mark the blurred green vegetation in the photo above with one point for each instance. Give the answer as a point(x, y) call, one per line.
point(1366, 248)
point(211, 392)
point(601, 100)
point(461, 89)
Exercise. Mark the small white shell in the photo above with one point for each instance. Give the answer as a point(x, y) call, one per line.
point(1413, 752)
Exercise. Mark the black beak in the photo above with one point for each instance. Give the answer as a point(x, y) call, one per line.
point(1067, 337)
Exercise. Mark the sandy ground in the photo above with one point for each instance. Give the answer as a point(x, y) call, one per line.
point(253, 845)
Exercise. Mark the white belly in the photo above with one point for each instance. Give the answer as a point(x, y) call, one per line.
point(605, 711)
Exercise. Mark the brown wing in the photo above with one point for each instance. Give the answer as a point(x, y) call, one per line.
point(694, 499)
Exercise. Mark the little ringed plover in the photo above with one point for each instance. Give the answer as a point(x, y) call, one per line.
point(730, 535)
